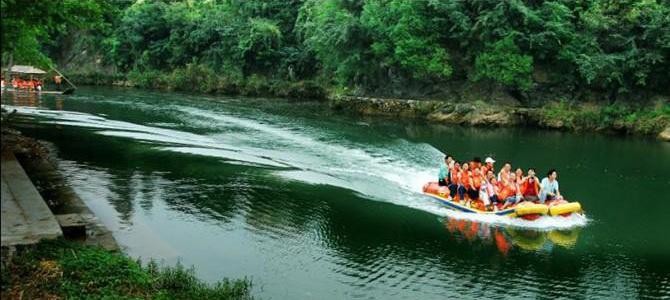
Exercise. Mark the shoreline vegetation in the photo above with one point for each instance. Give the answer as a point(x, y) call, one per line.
point(61, 269)
point(493, 108)
point(573, 65)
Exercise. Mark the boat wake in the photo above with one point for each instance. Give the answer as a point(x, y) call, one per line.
point(393, 171)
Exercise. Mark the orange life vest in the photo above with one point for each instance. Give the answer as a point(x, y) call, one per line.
point(476, 180)
point(504, 177)
point(475, 165)
point(465, 179)
point(454, 175)
point(507, 190)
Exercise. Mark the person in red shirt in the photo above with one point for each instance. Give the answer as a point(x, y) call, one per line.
point(530, 186)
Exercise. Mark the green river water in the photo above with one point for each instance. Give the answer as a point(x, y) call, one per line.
point(311, 203)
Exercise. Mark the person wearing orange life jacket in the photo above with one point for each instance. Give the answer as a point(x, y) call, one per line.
point(468, 184)
point(510, 192)
point(454, 175)
point(464, 181)
point(477, 181)
point(476, 163)
point(530, 186)
point(504, 173)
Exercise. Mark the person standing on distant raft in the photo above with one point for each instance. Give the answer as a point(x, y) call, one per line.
point(549, 187)
point(58, 81)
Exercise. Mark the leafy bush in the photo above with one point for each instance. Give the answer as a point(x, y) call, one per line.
point(643, 120)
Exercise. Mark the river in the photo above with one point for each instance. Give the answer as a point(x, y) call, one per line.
point(311, 203)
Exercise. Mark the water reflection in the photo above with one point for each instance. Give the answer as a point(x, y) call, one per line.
point(32, 99)
point(506, 238)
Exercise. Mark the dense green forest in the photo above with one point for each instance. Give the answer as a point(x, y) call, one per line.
point(615, 48)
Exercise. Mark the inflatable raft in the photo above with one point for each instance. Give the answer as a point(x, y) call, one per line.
point(525, 210)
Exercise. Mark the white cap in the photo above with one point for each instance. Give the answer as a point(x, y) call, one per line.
point(489, 160)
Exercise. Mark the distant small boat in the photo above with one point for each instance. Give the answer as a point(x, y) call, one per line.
point(526, 210)
point(33, 83)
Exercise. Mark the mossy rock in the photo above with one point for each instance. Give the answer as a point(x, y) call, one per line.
point(447, 108)
point(665, 135)
point(463, 109)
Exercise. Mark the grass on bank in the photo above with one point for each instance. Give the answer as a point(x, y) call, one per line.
point(68, 270)
point(641, 120)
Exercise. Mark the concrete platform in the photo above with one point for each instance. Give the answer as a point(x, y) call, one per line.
point(26, 218)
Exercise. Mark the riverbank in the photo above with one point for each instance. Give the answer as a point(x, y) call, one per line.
point(199, 79)
point(649, 120)
point(493, 108)
point(87, 266)
point(63, 269)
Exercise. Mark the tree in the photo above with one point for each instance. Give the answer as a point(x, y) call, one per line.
point(503, 62)
point(27, 25)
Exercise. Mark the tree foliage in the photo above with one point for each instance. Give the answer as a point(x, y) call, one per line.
point(503, 62)
point(28, 25)
point(617, 46)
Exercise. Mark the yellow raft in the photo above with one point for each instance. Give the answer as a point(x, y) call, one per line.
point(530, 209)
point(565, 208)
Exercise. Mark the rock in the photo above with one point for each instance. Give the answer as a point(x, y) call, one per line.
point(553, 123)
point(450, 118)
point(463, 108)
point(447, 108)
point(500, 118)
point(665, 135)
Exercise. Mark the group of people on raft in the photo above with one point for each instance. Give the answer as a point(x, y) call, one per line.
point(474, 180)
point(26, 84)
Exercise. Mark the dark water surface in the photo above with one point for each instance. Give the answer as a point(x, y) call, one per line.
point(314, 204)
